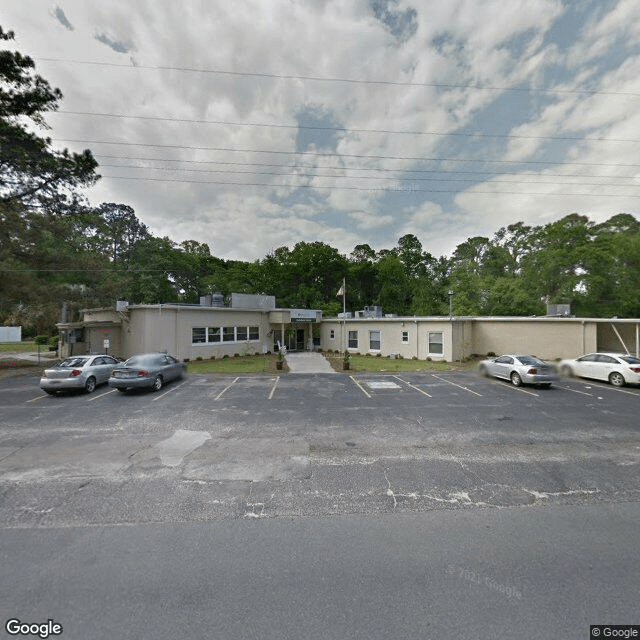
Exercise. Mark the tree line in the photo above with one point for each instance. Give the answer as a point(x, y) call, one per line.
point(56, 248)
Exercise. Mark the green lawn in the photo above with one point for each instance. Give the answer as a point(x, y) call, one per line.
point(371, 363)
point(21, 346)
point(242, 364)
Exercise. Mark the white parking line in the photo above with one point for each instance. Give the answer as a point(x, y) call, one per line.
point(456, 385)
point(360, 387)
point(36, 399)
point(225, 389)
point(584, 393)
point(102, 395)
point(510, 386)
point(273, 389)
point(162, 395)
point(412, 386)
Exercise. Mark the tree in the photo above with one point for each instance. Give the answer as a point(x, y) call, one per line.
point(29, 167)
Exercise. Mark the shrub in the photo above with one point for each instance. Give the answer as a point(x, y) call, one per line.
point(41, 339)
point(185, 359)
point(414, 358)
point(199, 358)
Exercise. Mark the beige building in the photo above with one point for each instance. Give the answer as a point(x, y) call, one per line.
point(447, 339)
point(250, 325)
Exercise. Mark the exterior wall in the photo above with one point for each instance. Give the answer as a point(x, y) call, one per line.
point(95, 337)
point(10, 334)
point(545, 337)
point(391, 336)
point(609, 341)
point(169, 328)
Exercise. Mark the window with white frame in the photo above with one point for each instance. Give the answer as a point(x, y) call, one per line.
point(198, 335)
point(215, 335)
point(353, 340)
point(374, 340)
point(405, 337)
point(435, 342)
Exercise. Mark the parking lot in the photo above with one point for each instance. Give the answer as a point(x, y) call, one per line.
point(262, 445)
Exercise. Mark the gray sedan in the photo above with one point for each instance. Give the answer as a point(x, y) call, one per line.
point(520, 370)
point(78, 372)
point(149, 370)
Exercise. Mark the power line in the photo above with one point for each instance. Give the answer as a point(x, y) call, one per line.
point(351, 177)
point(464, 134)
point(371, 189)
point(358, 81)
point(343, 155)
point(346, 168)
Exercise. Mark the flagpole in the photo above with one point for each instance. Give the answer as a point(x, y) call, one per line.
point(344, 315)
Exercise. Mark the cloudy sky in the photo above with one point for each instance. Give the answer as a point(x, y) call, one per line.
point(253, 125)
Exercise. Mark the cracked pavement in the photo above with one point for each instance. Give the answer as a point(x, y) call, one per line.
point(313, 445)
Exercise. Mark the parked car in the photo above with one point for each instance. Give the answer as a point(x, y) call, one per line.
point(617, 368)
point(147, 370)
point(78, 372)
point(520, 370)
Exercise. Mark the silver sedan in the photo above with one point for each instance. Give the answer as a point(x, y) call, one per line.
point(520, 370)
point(78, 372)
point(150, 370)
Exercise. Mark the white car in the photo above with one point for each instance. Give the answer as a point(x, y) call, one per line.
point(519, 369)
point(617, 368)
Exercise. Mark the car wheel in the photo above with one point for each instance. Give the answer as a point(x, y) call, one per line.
point(484, 371)
point(545, 385)
point(122, 390)
point(50, 392)
point(516, 380)
point(157, 383)
point(90, 385)
point(566, 371)
point(616, 379)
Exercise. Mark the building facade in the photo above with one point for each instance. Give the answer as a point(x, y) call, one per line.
point(252, 324)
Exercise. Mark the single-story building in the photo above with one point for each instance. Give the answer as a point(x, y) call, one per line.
point(449, 339)
point(252, 324)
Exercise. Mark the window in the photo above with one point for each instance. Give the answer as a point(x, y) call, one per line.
point(198, 335)
point(435, 342)
point(332, 334)
point(405, 336)
point(241, 333)
point(374, 340)
point(353, 339)
point(214, 334)
point(254, 333)
point(228, 334)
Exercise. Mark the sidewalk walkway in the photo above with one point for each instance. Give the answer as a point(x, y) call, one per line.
point(308, 363)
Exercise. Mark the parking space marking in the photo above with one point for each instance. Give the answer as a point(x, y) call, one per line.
point(101, 395)
point(510, 386)
point(584, 393)
point(412, 386)
point(273, 389)
point(162, 395)
point(456, 385)
point(226, 388)
point(366, 393)
point(36, 399)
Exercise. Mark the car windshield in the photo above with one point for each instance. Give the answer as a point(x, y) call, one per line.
point(529, 360)
point(142, 361)
point(630, 359)
point(72, 362)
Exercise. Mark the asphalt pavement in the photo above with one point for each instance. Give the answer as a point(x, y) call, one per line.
point(431, 505)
